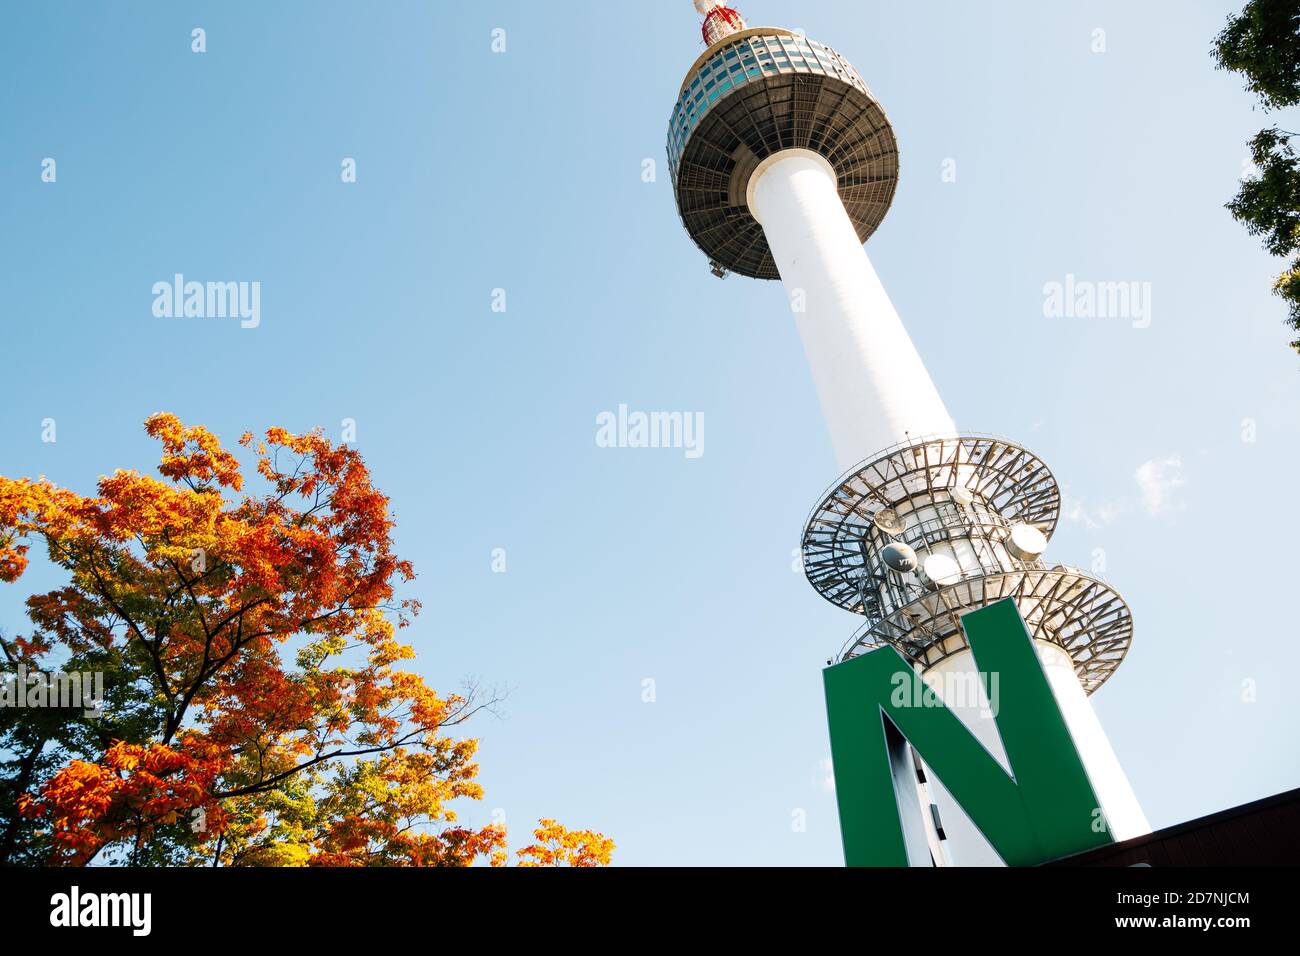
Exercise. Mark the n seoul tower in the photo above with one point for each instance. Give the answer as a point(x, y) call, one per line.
point(783, 165)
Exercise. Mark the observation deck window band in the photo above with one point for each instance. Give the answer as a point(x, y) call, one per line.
point(812, 55)
point(740, 39)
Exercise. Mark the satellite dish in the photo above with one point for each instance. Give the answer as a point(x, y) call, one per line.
point(899, 557)
point(1026, 542)
point(938, 570)
point(890, 521)
point(962, 495)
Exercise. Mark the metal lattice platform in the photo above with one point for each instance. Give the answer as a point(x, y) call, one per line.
point(754, 94)
point(1012, 480)
point(1061, 605)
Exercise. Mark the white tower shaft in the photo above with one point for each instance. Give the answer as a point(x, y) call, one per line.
point(875, 392)
point(874, 389)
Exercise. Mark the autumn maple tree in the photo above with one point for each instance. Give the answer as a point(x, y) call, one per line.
point(256, 711)
point(558, 846)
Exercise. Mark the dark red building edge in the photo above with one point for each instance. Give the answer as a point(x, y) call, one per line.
point(1263, 833)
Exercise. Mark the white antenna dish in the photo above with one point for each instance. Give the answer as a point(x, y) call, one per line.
point(962, 495)
point(938, 570)
point(1026, 543)
point(890, 521)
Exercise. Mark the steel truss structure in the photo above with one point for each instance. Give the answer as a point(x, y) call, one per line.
point(958, 496)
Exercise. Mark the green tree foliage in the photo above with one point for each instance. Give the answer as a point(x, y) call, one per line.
point(1263, 44)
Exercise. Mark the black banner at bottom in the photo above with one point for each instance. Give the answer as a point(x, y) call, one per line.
point(125, 906)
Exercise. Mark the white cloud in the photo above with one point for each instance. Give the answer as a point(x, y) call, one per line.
point(1160, 480)
point(1078, 511)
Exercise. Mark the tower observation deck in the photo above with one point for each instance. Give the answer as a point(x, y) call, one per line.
point(751, 95)
point(783, 164)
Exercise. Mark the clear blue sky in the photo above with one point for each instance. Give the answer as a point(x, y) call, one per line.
point(522, 171)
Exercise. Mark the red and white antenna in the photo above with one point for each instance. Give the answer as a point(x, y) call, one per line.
point(720, 20)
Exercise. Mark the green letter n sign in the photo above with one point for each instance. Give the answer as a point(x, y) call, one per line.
point(1044, 809)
